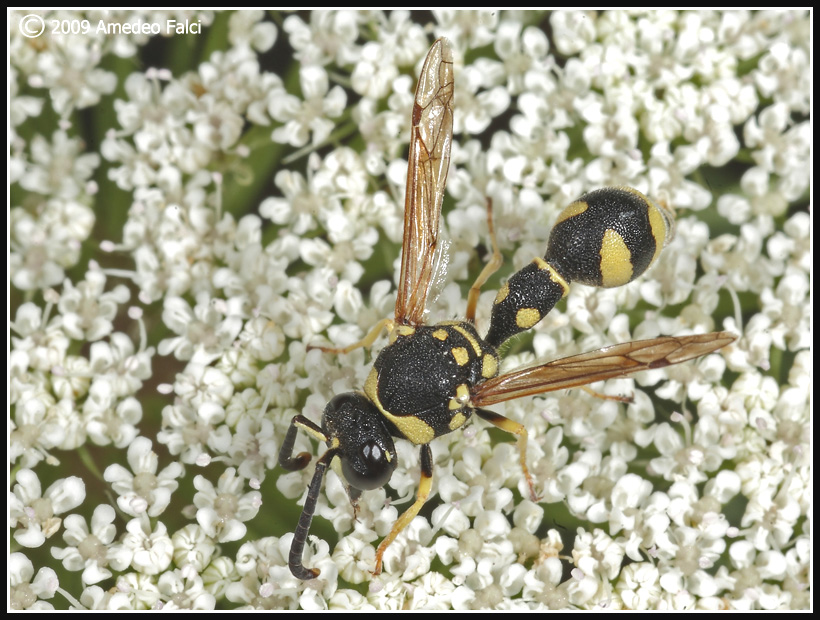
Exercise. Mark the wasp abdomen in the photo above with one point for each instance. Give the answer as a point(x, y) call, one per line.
point(524, 300)
point(606, 238)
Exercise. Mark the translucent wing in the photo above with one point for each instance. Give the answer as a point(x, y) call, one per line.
point(430, 139)
point(607, 363)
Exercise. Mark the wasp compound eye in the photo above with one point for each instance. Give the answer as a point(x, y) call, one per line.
point(370, 467)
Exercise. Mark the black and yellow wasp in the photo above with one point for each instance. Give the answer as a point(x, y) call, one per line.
point(431, 379)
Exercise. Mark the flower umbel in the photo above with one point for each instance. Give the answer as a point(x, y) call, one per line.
point(194, 208)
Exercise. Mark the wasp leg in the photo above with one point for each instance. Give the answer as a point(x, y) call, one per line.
point(618, 399)
point(425, 484)
point(514, 428)
point(354, 494)
point(300, 461)
point(489, 269)
point(367, 341)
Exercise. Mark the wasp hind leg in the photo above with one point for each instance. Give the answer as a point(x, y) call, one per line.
point(618, 399)
point(489, 269)
point(514, 428)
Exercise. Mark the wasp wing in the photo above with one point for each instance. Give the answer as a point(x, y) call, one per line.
point(431, 135)
point(607, 363)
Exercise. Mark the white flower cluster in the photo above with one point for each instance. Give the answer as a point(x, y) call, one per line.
point(246, 188)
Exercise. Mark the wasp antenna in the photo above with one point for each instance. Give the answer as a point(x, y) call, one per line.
point(303, 527)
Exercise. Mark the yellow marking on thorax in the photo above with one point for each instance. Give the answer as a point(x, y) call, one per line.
point(461, 398)
point(470, 338)
point(405, 330)
point(371, 385)
point(489, 366)
point(461, 355)
point(457, 421)
point(412, 428)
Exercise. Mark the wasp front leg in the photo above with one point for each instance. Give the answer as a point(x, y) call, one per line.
point(366, 342)
point(425, 484)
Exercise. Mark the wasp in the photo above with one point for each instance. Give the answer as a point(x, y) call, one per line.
point(431, 379)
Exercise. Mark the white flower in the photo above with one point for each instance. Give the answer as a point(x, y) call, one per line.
point(684, 559)
point(94, 597)
point(307, 118)
point(88, 548)
point(222, 510)
point(782, 73)
point(597, 554)
point(25, 593)
point(45, 243)
point(687, 459)
point(35, 432)
point(468, 29)
point(188, 430)
point(254, 444)
point(192, 547)
point(111, 411)
point(202, 385)
point(88, 312)
point(264, 579)
point(204, 332)
point(247, 28)
point(183, 589)
point(133, 591)
point(432, 591)
point(59, 169)
point(216, 125)
point(147, 551)
point(33, 514)
point(298, 207)
point(638, 586)
point(143, 491)
point(21, 108)
point(67, 67)
point(375, 70)
point(330, 37)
